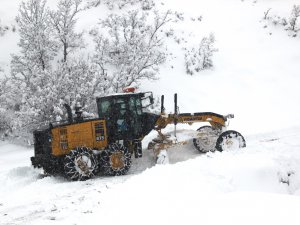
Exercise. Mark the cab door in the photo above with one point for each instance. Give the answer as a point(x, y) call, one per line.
point(121, 118)
point(128, 116)
point(135, 113)
point(123, 115)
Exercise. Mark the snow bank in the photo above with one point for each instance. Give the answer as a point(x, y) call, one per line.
point(242, 187)
point(256, 185)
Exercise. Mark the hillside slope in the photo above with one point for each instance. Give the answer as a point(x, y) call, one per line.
point(256, 68)
point(255, 76)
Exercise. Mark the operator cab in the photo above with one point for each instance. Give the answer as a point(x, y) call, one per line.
point(124, 115)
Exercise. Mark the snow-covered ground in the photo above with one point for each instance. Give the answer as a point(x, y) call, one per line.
point(256, 185)
point(256, 77)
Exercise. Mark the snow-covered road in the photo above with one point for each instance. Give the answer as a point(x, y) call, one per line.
point(256, 185)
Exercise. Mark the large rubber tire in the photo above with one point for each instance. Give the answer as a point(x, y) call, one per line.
point(80, 164)
point(230, 140)
point(116, 160)
point(206, 140)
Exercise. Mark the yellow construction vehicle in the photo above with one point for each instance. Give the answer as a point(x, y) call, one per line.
point(80, 148)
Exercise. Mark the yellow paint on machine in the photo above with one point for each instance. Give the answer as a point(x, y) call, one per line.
point(215, 121)
point(91, 134)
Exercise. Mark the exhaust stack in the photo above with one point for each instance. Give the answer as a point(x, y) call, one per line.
point(162, 108)
point(69, 111)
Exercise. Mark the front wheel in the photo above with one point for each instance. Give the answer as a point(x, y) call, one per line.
point(206, 139)
point(230, 140)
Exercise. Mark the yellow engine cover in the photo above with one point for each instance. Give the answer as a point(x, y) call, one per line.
point(91, 134)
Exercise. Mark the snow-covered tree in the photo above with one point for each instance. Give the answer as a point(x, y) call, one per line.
point(36, 43)
point(76, 82)
point(200, 58)
point(68, 83)
point(30, 69)
point(5, 112)
point(111, 4)
point(295, 14)
point(38, 84)
point(130, 48)
point(291, 24)
point(3, 29)
point(63, 20)
point(5, 122)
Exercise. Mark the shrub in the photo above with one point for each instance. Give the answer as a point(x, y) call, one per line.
point(197, 59)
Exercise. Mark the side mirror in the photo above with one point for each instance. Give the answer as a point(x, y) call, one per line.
point(229, 116)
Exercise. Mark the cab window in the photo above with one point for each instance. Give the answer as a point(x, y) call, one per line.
point(135, 105)
point(139, 106)
point(105, 107)
point(121, 106)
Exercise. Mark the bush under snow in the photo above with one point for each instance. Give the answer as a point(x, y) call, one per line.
point(200, 58)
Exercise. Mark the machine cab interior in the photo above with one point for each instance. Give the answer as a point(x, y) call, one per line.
point(123, 115)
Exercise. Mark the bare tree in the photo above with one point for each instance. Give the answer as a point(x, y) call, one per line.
point(266, 14)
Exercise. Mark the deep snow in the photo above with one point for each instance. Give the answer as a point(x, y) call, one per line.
point(256, 77)
point(256, 185)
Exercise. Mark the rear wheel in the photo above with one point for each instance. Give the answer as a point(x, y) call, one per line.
point(230, 140)
point(116, 160)
point(206, 139)
point(80, 164)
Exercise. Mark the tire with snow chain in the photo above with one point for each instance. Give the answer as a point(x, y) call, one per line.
point(80, 164)
point(206, 139)
point(230, 140)
point(116, 160)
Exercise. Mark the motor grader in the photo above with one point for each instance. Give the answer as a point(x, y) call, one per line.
point(80, 148)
